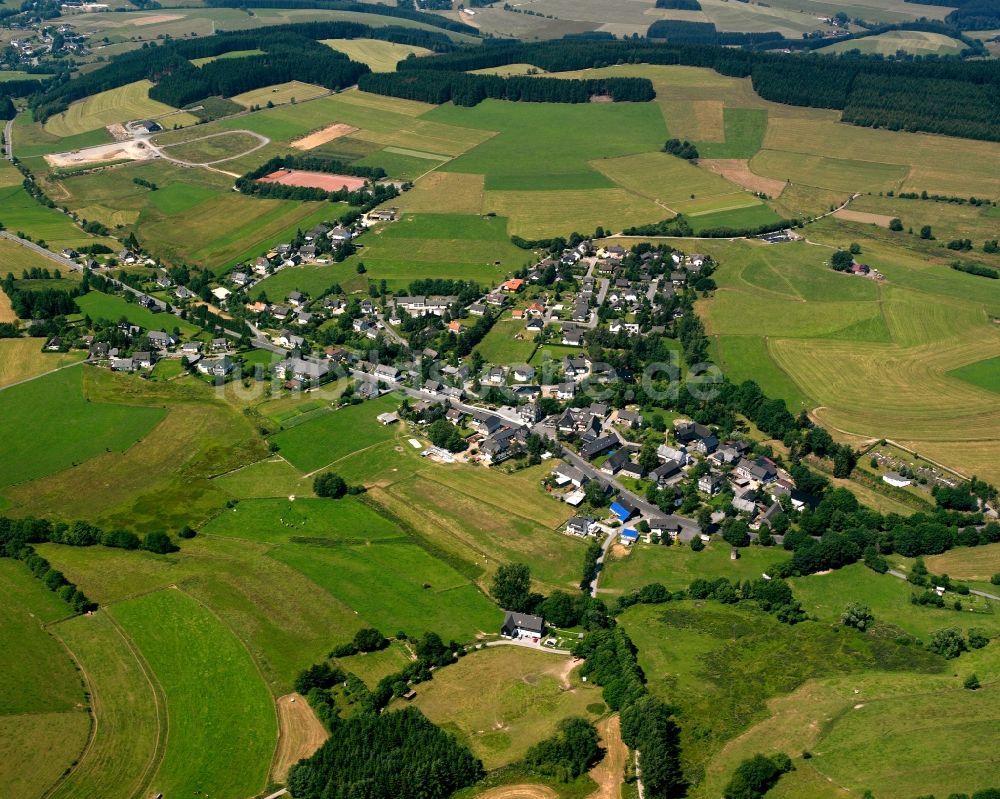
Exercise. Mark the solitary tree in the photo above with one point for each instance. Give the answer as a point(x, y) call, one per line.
point(858, 616)
point(329, 484)
point(511, 587)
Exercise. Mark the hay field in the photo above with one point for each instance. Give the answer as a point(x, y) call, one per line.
point(200, 62)
point(502, 700)
point(445, 192)
point(115, 105)
point(836, 174)
point(540, 214)
point(381, 56)
point(662, 177)
point(22, 358)
point(292, 92)
point(918, 43)
point(222, 722)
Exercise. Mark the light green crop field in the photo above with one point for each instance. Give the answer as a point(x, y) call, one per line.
point(874, 359)
point(323, 521)
point(503, 700)
point(746, 358)
point(744, 134)
point(292, 92)
point(200, 62)
point(322, 441)
point(75, 428)
point(750, 217)
point(397, 586)
point(43, 724)
point(663, 177)
point(919, 43)
point(123, 104)
point(676, 566)
point(827, 595)
point(111, 307)
point(381, 56)
point(721, 665)
point(829, 173)
point(222, 722)
point(22, 358)
point(128, 705)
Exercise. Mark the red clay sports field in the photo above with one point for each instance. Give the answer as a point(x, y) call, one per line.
point(314, 180)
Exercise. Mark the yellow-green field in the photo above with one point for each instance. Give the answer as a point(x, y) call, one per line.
point(279, 94)
point(115, 105)
point(23, 358)
point(919, 43)
point(380, 55)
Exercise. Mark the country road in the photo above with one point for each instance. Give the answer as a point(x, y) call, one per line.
point(8, 140)
point(983, 594)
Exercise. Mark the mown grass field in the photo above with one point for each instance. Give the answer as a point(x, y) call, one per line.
point(507, 343)
point(52, 426)
point(676, 566)
point(985, 373)
point(222, 724)
point(381, 56)
point(968, 563)
point(918, 43)
point(115, 105)
point(128, 704)
point(22, 358)
point(215, 148)
point(43, 724)
point(292, 92)
point(502, 700)
point(744, 130)
point(112, 307)
point(200, 62)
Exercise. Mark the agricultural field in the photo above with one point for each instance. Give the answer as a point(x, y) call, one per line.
point(978, 564)
point(43, 721)
point(212, 149)
point(291, 92)
point(75, 428)
point(502, 700)
point(222, 724)
point(918, 43)
point(115, 105)
point(200, 62)
point(22, 359)
point(380, 55)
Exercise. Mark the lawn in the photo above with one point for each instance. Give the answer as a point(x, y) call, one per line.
point(744, 133)
point(379, 55)
point(325, 522)
point(507, 342)
point(222, 723)
point(115, 105)
point(502, 700)
point(985, 374)
point(112, 307)
point(827, 595)
point(546, 146)
point(396, 586)
point(51, 426)
point(43, 725)
point(131, 721)
point(322, 441)
point(22, 359)
point(677, 566)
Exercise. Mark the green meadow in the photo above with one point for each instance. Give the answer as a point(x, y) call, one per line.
point(112, 307)
point(222, 724)
point(52, 426)
point(744, 134)
point(985, 374)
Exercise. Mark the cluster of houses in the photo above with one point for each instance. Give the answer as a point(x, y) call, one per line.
point(144, 348)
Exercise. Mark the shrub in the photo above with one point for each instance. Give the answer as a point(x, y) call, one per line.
point(368, 639)
point(329, 484)
point(858, 616)
point(948, 643)
point(971, 683)
point(755, 776)
point(978, 638)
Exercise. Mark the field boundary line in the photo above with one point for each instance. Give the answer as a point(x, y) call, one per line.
point(43, 374)
point(159, 702)
point(256, 665)
point(338, 460)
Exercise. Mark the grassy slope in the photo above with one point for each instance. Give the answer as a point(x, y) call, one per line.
point(98, 305)
point(22, 358)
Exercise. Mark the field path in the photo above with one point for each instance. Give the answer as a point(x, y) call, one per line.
point(8, 140)
point(609, 773)
point(300, 734)
point(520, 792)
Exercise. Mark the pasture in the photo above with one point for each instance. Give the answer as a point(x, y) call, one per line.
point(222, 724)
point(445, 192)
point(43, 724)
point(292, 92)
point(381, 56)
point(322, 441)
point(127, 702)
point(676, 566)
point(985, 374)
point(918, 43)
point(747, 358)
point(967, 563)
point(502, 700)
point(21, 213)
point(744, 130)
point(52, 426)
point(22, 359)
point(275, 477)
point(115, 105)
point(113, 307)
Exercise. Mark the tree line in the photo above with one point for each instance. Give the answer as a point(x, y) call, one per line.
point(365, 199)
point(43, 303)
point(464, 89)
point(805, 80)
point(676, 30)
point(681, 5)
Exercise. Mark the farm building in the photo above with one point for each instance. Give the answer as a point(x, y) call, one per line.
point(522, 625)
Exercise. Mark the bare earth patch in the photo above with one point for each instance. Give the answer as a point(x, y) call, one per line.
point(314, 180)
point(520, 792)
point(737, 171)
point(863, 216)
point(119, 151)
point(299, 734)
point(329, 133)
point(608, 773)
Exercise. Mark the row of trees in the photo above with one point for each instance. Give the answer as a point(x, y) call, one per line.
point(468, 90)
point(919, 96)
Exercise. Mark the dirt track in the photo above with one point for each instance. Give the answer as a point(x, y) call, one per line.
point(738, 171)
point(609, 772)
point(519, 792)
point(299, 734)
